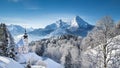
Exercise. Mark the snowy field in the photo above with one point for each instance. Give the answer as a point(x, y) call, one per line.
point(43, 62)
point(32, 57)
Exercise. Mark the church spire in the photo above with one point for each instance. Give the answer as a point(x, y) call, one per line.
point(25, 34)
point(25, 30)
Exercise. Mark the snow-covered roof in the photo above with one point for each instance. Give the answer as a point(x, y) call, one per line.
point(20, 43)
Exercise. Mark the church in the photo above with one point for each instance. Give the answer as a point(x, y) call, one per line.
point(22, 45)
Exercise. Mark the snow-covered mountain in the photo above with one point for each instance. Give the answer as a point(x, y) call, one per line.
point(60, 29)
point(77, 26)
point(57, 24)
point(78, 23)
point(17, 29)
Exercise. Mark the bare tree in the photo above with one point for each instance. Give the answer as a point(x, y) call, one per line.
point(105, 26)
point(100, 38)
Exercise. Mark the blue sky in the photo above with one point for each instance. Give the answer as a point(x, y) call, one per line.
point(39, 13)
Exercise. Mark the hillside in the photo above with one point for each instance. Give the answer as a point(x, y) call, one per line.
point(63, 49)
point(6, 62)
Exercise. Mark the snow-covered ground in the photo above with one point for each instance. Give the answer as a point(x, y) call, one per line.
point(29, 57)
point(9, 63)
point(35, 59)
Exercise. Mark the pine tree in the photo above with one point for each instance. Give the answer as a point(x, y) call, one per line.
point(7, 46)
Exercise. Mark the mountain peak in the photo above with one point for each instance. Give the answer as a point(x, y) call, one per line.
point(77, 17)
point(78, 22)
point(59, 21)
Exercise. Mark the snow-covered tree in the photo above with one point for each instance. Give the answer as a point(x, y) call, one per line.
point(104, 27)
point(57, 48)
point(117, 29)
point(7, 46)
point(100, 40)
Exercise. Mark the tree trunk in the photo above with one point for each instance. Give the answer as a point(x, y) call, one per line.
point(105, 56)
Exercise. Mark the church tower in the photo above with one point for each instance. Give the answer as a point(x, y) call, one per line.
point(22, 45)
point(25, 40)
